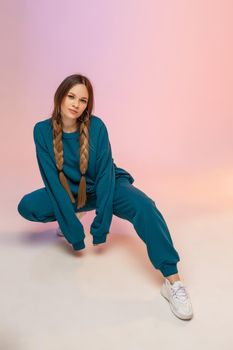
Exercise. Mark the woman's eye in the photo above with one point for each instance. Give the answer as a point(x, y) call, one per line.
point(73, 97)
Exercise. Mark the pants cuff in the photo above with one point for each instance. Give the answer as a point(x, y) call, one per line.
point(168, 269)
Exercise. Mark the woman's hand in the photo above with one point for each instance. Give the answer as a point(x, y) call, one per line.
point(100, 248)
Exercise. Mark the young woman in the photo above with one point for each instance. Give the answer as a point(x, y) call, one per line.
point(75, 160)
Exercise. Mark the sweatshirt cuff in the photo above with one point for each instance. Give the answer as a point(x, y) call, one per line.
point(79, 245)
point(99, 239)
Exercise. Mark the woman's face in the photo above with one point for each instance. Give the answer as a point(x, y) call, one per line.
point(74, 103)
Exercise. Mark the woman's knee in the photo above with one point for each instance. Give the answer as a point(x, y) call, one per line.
point(24, 207)
point(36, 206)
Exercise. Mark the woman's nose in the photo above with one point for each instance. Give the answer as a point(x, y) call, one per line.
point(76, 103)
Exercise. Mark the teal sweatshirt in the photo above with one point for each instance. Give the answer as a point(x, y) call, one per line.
point(100, 178)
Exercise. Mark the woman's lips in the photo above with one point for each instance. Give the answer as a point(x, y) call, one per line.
point(74, 112)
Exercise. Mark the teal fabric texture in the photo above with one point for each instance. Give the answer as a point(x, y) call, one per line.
point(100, 178)
point(110, 191)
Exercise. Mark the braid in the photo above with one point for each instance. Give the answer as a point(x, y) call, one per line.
point(58, 151)
point(84, 156)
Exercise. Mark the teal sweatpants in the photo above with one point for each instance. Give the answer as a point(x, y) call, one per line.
point(131, 204)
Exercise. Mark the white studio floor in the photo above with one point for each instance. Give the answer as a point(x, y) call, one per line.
point(109, 297)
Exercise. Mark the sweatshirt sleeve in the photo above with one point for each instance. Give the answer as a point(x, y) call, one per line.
point(104, 188)
point(62, 205)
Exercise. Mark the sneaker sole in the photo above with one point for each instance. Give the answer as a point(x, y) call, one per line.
point(182, 317)
point(60, 234)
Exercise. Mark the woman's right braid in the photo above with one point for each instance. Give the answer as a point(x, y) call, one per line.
point(58, 152)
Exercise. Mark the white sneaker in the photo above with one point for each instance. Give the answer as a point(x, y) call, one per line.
point(60, 233)
point(178, 298)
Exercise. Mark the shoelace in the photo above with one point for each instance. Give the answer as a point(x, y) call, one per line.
point(179, 292)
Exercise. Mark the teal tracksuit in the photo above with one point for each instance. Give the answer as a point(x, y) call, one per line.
point(110, 191)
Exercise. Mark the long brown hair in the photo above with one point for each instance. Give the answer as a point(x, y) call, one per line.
point(83, 124)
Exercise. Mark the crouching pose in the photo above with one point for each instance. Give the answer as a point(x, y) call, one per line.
point(75, 160)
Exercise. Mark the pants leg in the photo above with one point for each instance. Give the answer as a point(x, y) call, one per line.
point(132, 204)
point(129, 203)
point(36, 206)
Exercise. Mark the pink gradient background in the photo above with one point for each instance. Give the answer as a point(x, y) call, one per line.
point(162, 76)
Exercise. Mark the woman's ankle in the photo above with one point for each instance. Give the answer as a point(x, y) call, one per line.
point(173, 278)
